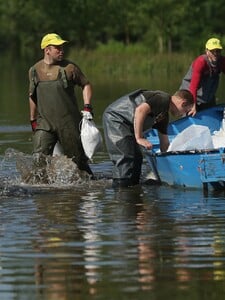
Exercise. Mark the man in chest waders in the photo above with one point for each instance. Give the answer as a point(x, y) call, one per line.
point(54, 112)
point(125, 121)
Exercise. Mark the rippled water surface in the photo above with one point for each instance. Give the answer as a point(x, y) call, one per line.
point(88, 241)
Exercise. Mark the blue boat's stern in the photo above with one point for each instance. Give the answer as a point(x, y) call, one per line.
point(212, 167)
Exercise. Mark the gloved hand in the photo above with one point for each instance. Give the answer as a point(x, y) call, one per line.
point(88, 107)
point(33, 124)
point(87, 115)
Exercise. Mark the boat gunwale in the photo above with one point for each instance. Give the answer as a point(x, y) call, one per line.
point(186, 152)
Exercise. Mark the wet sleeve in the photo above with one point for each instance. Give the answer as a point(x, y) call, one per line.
point(79, 78)
point(159, 104)
point(32, 86)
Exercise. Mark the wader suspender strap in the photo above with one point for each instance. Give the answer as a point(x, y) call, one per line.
point(62, 72)
point(34, 77)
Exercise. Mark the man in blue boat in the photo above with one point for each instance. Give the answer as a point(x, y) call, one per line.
point(202, 78)
point(124, 122)
point(54, 113)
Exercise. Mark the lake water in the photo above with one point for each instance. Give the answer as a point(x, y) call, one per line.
point(85, 240)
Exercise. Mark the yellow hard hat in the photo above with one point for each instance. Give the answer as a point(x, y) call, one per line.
point(213, 43)
point(52, 39)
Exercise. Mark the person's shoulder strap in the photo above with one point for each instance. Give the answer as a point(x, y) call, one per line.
point(62, 73)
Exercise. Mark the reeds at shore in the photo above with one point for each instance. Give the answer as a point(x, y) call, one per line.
point(124, 61)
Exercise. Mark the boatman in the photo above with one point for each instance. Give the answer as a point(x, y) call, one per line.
point(54, 113)
point(202, 78)
point(124, 122)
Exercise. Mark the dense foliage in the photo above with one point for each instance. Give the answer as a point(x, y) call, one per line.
point(161, 25)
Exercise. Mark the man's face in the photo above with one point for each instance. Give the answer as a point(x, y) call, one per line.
point(213, 54)
point(182, 109)
point(56, 52)
point(187, 109)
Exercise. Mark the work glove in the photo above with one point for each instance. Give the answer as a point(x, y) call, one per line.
point(87, 112)
point(33, 124)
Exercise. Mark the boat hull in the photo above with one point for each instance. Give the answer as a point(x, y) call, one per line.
point(203, 168)
point(189, 169)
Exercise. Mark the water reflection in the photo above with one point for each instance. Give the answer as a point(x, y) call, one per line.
point(140, 241)
point(58, 275)
point(91, 217)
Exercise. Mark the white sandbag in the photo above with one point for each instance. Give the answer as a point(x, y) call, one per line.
point(90, 137)
point(58, 150)
point(218, 138)
point(194, 137)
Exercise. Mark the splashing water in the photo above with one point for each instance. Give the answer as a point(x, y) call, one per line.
point(17, 168)
point(57, 170)
point(22, 174)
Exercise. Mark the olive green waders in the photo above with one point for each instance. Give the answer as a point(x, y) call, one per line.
point(58, 120)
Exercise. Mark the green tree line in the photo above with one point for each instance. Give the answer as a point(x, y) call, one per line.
point(164, 26)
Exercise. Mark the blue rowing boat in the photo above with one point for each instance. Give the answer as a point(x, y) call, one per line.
point(196, 167)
